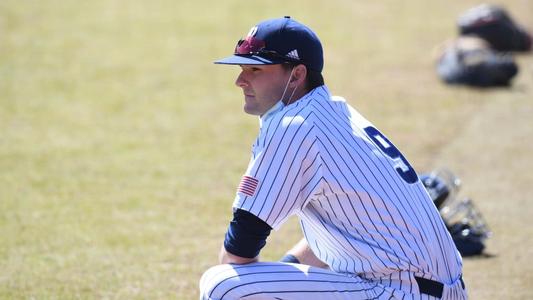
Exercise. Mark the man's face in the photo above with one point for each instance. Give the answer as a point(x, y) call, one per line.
point(262, 85)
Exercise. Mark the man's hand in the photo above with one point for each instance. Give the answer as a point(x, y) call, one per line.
point(227, 258)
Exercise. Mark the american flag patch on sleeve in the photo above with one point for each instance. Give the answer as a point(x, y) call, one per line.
point(248, 185)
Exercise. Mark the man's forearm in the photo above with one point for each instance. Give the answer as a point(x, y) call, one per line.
point(227, 258)
point(305, 255)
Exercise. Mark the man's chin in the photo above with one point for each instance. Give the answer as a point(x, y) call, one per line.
point(251, 110)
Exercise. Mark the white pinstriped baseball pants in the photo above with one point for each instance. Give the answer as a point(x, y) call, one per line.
point(274, 280)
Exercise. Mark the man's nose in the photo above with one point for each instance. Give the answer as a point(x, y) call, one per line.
point(240, 81)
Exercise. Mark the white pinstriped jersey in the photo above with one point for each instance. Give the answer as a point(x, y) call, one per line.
point(362, 209)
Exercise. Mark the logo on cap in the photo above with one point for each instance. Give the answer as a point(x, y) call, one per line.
point(293, 54)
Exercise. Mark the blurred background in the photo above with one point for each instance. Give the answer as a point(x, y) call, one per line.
point(121, 144)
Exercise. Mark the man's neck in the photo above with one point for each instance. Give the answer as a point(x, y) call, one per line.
point(298, 94)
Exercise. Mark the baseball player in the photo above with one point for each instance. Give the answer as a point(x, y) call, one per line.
point(370, 229)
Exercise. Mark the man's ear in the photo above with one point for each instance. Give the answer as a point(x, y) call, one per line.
point(298, 75)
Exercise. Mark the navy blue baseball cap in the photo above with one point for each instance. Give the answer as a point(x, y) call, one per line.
point(278, 41)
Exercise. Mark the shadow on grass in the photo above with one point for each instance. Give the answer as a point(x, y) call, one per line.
point(481, 256)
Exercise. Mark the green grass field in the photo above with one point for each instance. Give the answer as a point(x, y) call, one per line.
point(121, 144)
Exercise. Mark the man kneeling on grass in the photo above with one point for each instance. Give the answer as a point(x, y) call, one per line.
point(370, 229)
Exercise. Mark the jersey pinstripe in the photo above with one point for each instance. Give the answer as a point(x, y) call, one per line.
point(359, 208)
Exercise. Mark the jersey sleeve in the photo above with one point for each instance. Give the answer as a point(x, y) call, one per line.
point(284, 172)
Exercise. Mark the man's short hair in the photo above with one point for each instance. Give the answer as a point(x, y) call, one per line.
point(313, 79)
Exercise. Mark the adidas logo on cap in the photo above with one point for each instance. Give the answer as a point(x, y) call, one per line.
point(293, 54)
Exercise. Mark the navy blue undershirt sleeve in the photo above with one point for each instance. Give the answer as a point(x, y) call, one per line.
point(289, 258)
point(246, 234)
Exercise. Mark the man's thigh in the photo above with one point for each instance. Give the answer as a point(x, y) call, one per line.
point(275, 280)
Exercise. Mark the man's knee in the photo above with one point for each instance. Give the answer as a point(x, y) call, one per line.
point(217, 281)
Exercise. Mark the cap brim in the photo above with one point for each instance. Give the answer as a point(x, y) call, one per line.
point(248, 60)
